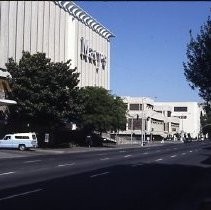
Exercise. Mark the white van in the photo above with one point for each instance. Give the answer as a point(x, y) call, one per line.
point(19, 141)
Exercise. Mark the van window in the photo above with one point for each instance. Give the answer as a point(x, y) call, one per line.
point(22, 137)
point(7, 137)
point(34, 136)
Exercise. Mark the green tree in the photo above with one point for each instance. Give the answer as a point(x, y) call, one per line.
point(102, 110)
point(46, 92)
point(197, 69)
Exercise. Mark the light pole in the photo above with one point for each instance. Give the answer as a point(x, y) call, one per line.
point(142, 124)
point(131, 137)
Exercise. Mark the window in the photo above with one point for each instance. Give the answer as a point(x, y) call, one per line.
point(134, 107)
point(168, 114)
point(183, 117)
point(22, 137)
point(180, 109)
point(7, 137)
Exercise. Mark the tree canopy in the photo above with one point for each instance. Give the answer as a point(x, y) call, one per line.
point(197, 69)
point(46, 92)
point(102, 110)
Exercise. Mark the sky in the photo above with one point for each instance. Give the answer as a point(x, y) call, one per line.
point(150, 44)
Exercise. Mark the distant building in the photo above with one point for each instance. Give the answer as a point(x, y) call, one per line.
point(188, 113)
point(63, 31)
point(143, 119)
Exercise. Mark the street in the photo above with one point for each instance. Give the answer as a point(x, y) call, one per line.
point(167, 177)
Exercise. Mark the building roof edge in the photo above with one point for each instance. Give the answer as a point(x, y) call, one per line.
point(77, 12)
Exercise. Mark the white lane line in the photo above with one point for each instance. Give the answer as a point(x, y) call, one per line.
point(32, 161)
point(173, 156)
point(20, 194)
point(67, 164)
point(159, 159)
point(146, 153)
point(105, 158)
point(184, 153)
point(190, 151)
point(122, 151)
point(7, 173)
point(127, 156)
point(102, 154)
point(95, 175)
point(136, 165)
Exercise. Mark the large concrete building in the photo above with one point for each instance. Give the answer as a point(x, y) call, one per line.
point(188, 113)
point(63, 31)
point(145, 121)
point(173, 120)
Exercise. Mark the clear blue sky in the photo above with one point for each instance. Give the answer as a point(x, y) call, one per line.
point(150, 45)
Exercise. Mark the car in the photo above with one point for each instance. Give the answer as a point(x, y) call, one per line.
point(21, 141)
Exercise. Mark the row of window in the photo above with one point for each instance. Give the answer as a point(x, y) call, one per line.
point(180, 109)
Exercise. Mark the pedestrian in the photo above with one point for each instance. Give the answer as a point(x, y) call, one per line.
point(89, 140)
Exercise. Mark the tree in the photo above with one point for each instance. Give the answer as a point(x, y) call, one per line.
point(197, 69)
point(102, 110)
point(46, 92)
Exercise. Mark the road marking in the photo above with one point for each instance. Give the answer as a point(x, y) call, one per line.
point(102, 154)
point(20, 194)
point(32, 161)
point(146, 153)
point(127, 156)
point(105, 158)
point(95, 175)
point(159, 159)
point(184, 153)
point(67, 164)
point(136, 165)
point(7, 173)
point(122, 151)
point(190, 151)
point(173, 156)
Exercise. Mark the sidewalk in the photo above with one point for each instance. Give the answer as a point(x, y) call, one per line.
point(105, 148)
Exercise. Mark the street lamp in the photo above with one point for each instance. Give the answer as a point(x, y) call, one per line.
point(142, 124)
point(131, 135)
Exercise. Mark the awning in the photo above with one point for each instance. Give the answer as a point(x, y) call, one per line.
point(4, 102)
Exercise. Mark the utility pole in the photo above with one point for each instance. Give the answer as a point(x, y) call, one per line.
point(131, 137)
point(142, 123)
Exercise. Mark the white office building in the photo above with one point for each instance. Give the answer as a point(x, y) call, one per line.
point(63, 31)
point(188, 113)
point(143, 120)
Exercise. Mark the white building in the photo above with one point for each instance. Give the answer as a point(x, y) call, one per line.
point(144, 120)
point(188, 113)
point(60, 29)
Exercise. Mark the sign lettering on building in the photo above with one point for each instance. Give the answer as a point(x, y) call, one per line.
point(88, 54)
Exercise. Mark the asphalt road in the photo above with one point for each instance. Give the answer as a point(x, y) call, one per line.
point(167, 177)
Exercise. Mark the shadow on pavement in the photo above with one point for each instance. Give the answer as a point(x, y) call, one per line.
point(124, 187)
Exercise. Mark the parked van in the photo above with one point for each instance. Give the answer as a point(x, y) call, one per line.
point(21, 141)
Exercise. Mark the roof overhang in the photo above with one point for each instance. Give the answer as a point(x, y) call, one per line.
point(5, 102)
point(84, 17)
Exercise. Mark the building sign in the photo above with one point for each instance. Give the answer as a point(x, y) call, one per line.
point(91, 55)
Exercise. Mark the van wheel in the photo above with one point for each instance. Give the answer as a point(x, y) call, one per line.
point(22, 147)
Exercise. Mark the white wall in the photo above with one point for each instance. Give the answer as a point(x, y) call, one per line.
point(192, 123)
point(42, 26)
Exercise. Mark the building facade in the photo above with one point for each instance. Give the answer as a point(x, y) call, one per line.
point(144, 121)
point(188, 113)
point(63, 31)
